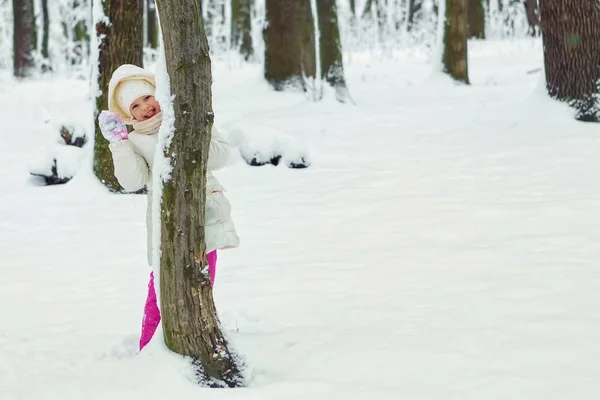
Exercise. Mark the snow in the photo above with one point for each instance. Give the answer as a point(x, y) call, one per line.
point(442, 245)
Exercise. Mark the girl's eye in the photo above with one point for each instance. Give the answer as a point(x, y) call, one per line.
point(147, 97)
point(134, 106)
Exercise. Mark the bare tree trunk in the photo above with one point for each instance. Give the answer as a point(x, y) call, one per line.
point(189, 317)
point(533, 16)
point(353, 8)
point(476, 15)
point(121, 42)
point(410, 14)
point(241, 27)
point(454, 58)
point(289, 43)
point(45, 36)
point(23, 38)
point(571, 36)
point(332, 66)
point(152, 24)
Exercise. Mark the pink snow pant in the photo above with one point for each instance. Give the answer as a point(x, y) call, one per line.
point(152, 313)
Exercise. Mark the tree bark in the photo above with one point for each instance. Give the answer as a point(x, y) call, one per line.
point(332, 66)
point(289, 43)
point(241, 27)
point(454, 59)
point(476, 15)
point(121, 42)
point(23, 38)
point(45, 36)
point(152, 24)
point(571, 37)
point(189, 317)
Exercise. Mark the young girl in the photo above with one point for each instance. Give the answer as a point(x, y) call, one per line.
point(131, 101)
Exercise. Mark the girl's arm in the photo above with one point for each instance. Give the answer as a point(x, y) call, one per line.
point(131, 169)
point(218, 153)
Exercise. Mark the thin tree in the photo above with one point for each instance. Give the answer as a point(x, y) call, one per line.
point(454, 56)
point(289, 43)
point(532, 10)
point(476, 14)
point(189, 317)
point(571, 37)
point(121, 42)
point(152, 27)
point(241, 27)
point(45, 36)
point(23, 38)
point(332, 66)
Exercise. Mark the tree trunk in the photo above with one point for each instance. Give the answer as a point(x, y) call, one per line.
point(289, 43)
point(454, 59)
point(533, 16)
point(23, 38)
point(353, 8)
point(332, 66)
point(476, 15)
point(121, 42)
point(45, 36)
point(152, 24)
point(241, 27)
point(190, 323)
point(571, 37)
point(410, 14)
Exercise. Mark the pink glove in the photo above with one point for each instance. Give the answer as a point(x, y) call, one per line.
point(112, 126)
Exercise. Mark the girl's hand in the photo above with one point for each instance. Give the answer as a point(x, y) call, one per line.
point(112, 127)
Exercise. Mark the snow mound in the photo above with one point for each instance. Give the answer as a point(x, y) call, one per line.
point(262, 145)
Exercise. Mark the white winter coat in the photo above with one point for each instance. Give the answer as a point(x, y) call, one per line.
point(133, 159)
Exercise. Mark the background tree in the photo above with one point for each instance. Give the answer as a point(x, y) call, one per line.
point(23, 38)
point(241, 27)
point(289, 43)
point(121, 42)
point(152, 28)
point(332, 66)
point(190, 323)
point(45, 36)
point(454, 57)
point(571, 37)
point(533, 16)
point(476, 19)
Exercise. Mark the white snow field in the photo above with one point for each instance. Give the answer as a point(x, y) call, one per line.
point(443, 244)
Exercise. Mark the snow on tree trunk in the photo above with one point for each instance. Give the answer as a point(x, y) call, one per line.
point(571, 36)
point(476, 15)
point(23, 38)
point(120, 37)
point(454, 56)
point(190, 323)
point(332, 66)
point(289, 43)
point(241, 27)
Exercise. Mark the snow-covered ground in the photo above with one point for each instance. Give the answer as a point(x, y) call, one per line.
point(442, 245)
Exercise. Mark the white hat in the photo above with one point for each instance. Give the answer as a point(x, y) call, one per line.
point(127, 83)
point(128, 91)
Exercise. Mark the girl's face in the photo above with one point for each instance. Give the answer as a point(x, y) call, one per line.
point(144, 108)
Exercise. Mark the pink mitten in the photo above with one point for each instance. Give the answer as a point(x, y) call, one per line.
point(112, 126)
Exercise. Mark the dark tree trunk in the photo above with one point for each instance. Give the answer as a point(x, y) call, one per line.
point(152, 24)
point(454, 57)
point(289, 43)
point(332, 66)
point(189, 317)
point(571, 36)
point(353, 8)
point(241, 27)
point(533, 16)
point(45, 36)
point(410, 14)
point(476, 15)
point(121, 42)
point(23, 38)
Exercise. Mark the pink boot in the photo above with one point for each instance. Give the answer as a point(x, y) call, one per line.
point(212, 266)
point(151, 315)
